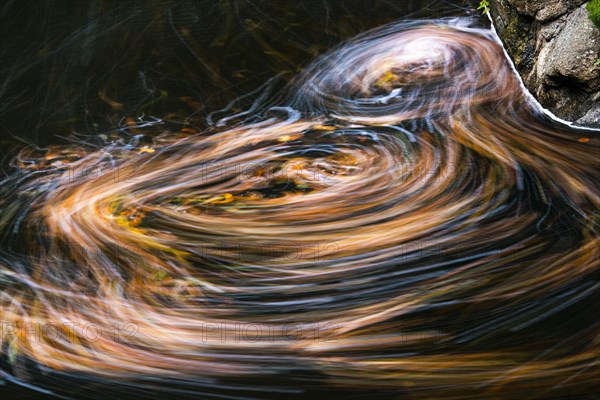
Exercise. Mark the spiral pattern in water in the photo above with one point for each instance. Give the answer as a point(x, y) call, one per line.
point(404, 221)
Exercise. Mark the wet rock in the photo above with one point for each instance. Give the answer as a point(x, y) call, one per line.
point(555, 48)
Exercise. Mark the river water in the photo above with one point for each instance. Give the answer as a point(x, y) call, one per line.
point(271, 200)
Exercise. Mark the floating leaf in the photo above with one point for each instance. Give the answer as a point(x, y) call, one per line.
point(12, 351)
point(147, 149)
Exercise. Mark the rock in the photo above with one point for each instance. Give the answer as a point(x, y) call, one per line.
point(544, 10)
point(554, 47)
point(530, 7)
point(553, 28)
point(572, 55)
point(592, 117)
point(551, 11)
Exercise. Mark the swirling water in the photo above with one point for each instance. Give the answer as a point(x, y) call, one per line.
point(401, 220)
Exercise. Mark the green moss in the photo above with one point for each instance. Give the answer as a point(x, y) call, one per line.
point(484, 5)
point(593, 8)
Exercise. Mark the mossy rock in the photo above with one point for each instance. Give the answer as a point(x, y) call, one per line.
point(593, 8)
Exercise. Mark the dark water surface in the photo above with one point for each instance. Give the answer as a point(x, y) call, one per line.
point(83, 66)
